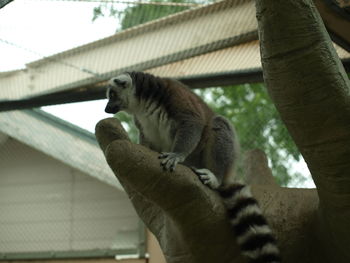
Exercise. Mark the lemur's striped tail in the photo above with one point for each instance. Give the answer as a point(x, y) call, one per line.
point(254, 235)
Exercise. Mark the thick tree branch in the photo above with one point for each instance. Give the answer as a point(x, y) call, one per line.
point(189, 219)
point(185, 216)
point(311, 91)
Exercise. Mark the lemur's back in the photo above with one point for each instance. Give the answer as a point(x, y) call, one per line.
point(176, 122)
point(176, 99)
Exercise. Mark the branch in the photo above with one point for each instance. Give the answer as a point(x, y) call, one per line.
point(186, 217)
point(310, 89)
point(257, 170)
point(189, 219)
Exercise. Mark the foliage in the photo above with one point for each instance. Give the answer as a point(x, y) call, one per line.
point(138, 13)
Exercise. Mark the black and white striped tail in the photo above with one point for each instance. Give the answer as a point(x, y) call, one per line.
point(254, 235)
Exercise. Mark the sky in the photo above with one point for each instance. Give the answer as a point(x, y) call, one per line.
point(46, 27)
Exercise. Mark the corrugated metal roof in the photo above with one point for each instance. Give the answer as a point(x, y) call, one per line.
point(142, 47)
point(150, 26)
point(59, 139)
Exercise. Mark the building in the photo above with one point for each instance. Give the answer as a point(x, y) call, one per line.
point(58, 197)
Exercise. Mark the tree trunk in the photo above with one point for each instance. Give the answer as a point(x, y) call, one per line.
point(310, 89)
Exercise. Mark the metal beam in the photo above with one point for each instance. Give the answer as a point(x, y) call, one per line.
point(84, 254)
point(98, 91)
point(336, 21)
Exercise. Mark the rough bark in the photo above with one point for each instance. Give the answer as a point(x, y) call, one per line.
point(189, 219)
point(310, 89)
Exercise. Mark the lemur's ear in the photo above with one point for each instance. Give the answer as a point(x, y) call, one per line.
point(119, 82)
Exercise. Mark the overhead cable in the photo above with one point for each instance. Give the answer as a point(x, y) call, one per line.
point(132, 2)
point(56, 60)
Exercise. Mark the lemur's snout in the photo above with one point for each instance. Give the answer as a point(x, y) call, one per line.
point(112, 109)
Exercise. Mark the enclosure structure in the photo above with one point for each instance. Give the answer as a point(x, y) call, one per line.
point(213, 45)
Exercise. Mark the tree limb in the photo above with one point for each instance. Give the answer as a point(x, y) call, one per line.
point(189, 219)
point(256, 169)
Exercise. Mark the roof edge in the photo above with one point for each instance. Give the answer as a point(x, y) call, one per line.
point(143, 28)
point(68, 126)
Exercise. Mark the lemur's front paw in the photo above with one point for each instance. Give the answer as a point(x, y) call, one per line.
point(207, 177)
point(170, 160)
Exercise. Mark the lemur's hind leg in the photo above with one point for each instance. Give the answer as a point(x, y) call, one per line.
point(220, 158)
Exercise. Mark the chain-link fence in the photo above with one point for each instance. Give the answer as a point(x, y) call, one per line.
point(58, 198)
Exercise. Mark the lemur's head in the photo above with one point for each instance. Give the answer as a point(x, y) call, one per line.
point(119, 93)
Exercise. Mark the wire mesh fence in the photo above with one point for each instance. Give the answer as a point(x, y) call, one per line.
point(57, 194)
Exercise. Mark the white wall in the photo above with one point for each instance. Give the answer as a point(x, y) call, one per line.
point(45, 205)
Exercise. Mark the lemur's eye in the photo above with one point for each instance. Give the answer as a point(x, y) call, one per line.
point(120, 83)
point(111, 94)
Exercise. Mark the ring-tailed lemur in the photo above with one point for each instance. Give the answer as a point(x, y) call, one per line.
point(174, 121)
